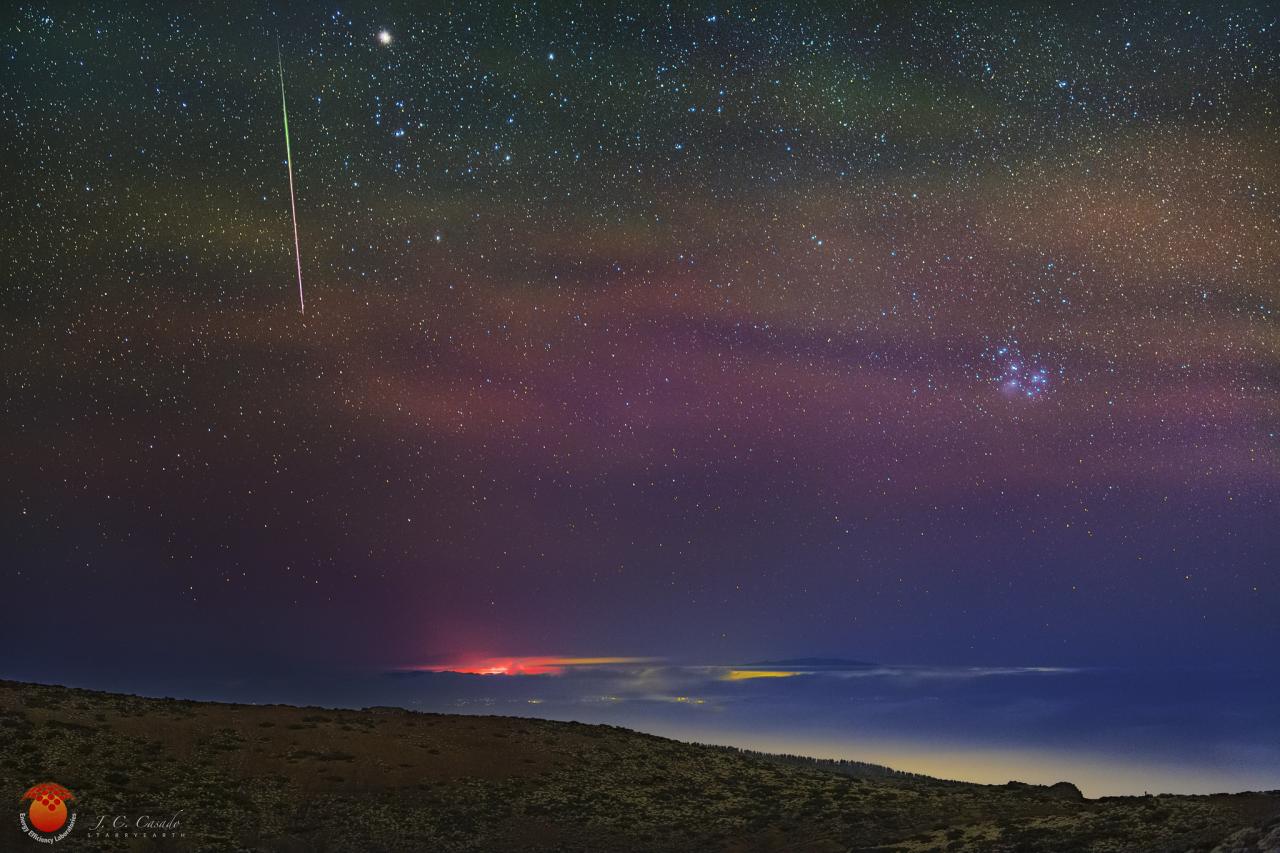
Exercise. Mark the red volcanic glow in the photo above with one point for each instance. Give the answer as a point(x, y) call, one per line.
point(525, 665)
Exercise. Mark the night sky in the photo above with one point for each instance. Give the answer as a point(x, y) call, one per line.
point(710, 333)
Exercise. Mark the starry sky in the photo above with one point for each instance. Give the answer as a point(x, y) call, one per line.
point(705, 333)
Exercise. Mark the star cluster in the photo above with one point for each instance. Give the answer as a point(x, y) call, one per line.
point(1019, 376)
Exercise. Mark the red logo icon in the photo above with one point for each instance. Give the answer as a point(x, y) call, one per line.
point(48, 812)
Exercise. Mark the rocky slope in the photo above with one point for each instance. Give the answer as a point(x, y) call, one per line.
point(245, 777)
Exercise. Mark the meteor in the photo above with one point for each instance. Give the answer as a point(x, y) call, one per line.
point(293, 204)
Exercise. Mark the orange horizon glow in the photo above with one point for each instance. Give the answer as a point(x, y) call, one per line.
point(550, 665)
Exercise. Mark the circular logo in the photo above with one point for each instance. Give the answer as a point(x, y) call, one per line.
point(47, 817)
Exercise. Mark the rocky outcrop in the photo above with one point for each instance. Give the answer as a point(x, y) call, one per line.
point(1255, 839)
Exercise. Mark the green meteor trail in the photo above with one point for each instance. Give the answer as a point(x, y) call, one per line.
point(293, 204)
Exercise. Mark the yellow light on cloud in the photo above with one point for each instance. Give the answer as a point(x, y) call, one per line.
point(745, 674)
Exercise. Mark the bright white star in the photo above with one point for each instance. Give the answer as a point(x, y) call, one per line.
point(384, 37)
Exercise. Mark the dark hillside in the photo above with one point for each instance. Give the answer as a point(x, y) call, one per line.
point(244, 777)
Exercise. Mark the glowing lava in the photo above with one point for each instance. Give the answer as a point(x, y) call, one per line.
point(526, 665)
